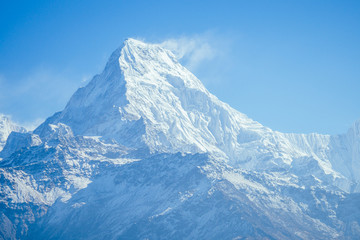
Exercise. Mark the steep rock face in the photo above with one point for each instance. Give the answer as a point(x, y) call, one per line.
point(6, 127)
point(145, 151)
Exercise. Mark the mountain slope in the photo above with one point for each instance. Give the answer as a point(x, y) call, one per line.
point(145, 151)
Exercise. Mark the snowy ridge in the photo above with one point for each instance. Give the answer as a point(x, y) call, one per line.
point(144, 151)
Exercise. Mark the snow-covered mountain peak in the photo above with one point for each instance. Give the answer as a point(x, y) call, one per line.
point(152, 63)
point(179, 156)
point(146, 97)
point(6, 127)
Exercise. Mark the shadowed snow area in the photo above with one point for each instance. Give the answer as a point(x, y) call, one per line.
point(145, 151)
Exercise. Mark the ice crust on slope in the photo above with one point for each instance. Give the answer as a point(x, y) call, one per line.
point(145, 151)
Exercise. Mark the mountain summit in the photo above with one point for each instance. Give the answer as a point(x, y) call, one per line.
point(145, 98)
point(144, 151)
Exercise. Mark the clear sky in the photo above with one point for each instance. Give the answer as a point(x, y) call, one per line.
point(294, 66)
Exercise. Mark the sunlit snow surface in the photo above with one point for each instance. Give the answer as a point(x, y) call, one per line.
point(144, 151)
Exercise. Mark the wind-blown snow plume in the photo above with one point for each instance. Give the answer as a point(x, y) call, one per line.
point(193, 51)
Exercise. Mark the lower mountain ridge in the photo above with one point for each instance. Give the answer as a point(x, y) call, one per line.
point(144, 151)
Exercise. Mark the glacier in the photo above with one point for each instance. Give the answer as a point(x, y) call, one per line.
point(145, 151)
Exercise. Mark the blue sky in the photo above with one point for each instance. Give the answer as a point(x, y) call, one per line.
point(292, 65)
